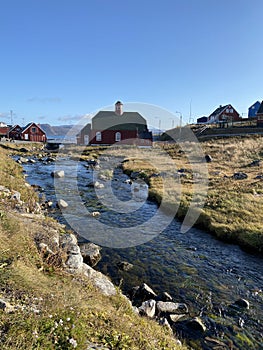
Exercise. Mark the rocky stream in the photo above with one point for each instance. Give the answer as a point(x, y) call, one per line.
point(219, 283)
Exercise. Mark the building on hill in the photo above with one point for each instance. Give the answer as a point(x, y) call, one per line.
point(224, 114)
point(202, 120)
point(110, 127)
point(260, 116)
point(252, 110)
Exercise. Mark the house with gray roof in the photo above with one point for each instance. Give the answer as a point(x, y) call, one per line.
point(110, 127)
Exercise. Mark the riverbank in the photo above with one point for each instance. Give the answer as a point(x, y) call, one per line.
point(42, 306)
point(232, 209)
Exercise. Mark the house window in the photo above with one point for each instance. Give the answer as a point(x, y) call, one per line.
point(227, 110)
point(118, 136)
point(33, 130)
point(231, 110)
point(98, 136)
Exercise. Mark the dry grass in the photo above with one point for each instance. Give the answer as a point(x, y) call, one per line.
point(54, 310)
point(232, 208)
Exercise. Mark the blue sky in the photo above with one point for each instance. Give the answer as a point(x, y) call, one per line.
point(62, 59)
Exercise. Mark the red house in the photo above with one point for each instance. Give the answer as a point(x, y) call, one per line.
point(33, 132)
point(110, 127)
point(3, 130)
point(14, 132)
point(224, 114)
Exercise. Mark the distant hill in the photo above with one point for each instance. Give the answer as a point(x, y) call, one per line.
point(56, 130)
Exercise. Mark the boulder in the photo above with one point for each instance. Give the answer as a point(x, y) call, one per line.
point(124, 266)
point(170, 307)
point(240, 176)
point(74, 262)
point(58, 173)
point(196, 324)
point(99, 280)
point(23, 160)
point(164, 296)
point(148, 308)
point(62, 204)
point(242, 303)
point(208, 158)
point(91, 253)
point(145, 292)
point(255, 162)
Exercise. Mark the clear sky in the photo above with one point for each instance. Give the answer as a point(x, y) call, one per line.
point(62, 59)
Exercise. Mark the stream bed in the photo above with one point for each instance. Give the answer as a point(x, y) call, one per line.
point(194, 267)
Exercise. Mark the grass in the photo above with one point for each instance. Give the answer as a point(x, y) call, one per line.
point(50, 308)
point(230, 209)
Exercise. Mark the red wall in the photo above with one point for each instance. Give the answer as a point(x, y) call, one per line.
point(128, 137)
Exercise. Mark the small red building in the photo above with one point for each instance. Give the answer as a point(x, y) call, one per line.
point(110, 127)
point(33, 132)
point(14, 132)
point(225, 113)
point(3, 129)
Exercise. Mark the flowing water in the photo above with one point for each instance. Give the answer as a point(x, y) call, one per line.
point(195, 268)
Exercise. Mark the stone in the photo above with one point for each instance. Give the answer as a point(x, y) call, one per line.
point(74, 262)
point(66, 239)
point(124, 266)
point(170, 307)
point(176, 317)
point(23, 160)
point(146, 292)
point(148, 308)
point(58, 173)
point(240, 176)
point(99, 280)
point(23, 149)
point(91, 253)
point(62, 204)
point(16, 196)
point(72, 249)
point(98, 185)
point(6, 306)
point(164, 296)
point(255, 162)
point(44, 248)
point(242, 303)
point(196, 324)
point(208, 158)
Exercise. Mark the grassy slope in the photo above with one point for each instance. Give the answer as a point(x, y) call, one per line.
point(54, 309)
point(233, 208)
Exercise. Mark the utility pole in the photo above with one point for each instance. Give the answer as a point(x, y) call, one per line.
point(11, 117)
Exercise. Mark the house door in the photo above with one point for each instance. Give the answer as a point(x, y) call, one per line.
point(26, 136)
point(86, 139)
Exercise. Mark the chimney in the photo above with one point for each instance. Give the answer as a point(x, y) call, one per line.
point(118, 108)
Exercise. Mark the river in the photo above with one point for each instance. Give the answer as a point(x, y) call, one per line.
point(194, 267)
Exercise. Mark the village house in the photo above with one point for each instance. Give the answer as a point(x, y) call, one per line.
point(260, 116)
point(14, 132)
point(109, 127)
point(224, 114)
point(252, 110)
point(33, 132)
point(3, 129)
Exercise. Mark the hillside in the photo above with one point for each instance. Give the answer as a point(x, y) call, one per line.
point(56, 130)
point(43, 304)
